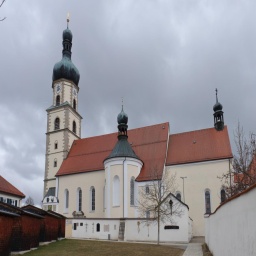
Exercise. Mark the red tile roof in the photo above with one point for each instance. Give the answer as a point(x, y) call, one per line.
point(198, 146)
point(8, 188)
point(149, 143)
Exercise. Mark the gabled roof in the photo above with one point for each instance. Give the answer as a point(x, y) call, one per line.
point(197, 146)
point(149, 144)
point(8, 188)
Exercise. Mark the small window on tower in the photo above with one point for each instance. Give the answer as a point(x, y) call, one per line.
point(74, 127)
point(55, 163)
point(56, 144)
point(57, 124)
point(57, 100)
point(74, 104)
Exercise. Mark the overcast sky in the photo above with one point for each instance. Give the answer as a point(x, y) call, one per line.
point(164, 57)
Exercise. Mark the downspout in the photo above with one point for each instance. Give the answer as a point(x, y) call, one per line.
point(123, 185)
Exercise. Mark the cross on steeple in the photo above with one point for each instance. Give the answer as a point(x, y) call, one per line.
point(68, 19)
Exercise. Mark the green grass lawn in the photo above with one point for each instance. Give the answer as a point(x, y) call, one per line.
point(87, 247)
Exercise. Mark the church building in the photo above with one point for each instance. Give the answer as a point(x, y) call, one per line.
point(100, 177)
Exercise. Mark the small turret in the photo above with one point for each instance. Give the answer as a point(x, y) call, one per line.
point(218, 114)
point(122, 147)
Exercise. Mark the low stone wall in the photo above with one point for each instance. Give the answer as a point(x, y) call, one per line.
point(231, 229)
point(135, 229)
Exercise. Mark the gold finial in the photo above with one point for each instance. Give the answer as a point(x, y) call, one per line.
point(68, 18)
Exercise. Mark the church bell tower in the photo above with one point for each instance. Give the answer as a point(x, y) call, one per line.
point(63, 119)
point(218, 115)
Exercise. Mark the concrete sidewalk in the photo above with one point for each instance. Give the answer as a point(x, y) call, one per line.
point(195, 247)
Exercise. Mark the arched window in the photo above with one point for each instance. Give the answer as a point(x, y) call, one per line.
point(116, 191)
point(74, 127)
point(132, 190)
point(57, 124)
point(178, 195)
point(92, 193)
point(57, 100)
point(207, 202)
point(147, 189)
point(55, 163)
point(66, 200)
point(223, 195)
point(56, 144)
point(79, 199)
point(74, 104)
point(98, 227)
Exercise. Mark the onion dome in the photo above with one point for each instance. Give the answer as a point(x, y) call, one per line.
point(217, 106)
point(67, 35)
point(122, 147)
point(65, 68)
point(122, 117)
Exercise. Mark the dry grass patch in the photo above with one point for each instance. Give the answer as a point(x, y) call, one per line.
point(206, 250)
point(73, 247)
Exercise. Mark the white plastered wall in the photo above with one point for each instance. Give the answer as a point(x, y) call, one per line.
point(84, 181)
point(124, 168)
point(200, 176)
point(231, 230)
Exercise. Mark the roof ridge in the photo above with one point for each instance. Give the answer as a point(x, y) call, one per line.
point(210, 128)
point(102, 135)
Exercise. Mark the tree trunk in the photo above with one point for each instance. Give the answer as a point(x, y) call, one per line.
point(158, 227)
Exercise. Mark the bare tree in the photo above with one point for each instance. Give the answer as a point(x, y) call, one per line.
point(155, 199)
point(29, 200)
point(243, 172)
point(1, 19)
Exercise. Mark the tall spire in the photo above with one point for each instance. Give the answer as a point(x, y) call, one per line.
point(67, 40)
point(65, 68)
point(218, 114)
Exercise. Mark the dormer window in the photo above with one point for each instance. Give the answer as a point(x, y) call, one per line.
point(57, 100)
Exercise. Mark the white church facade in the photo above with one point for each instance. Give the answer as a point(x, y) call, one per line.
point(98, 179)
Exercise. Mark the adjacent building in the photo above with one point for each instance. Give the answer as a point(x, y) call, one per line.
point(10, 194)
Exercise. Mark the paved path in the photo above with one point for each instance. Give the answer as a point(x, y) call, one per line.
point(195, 247)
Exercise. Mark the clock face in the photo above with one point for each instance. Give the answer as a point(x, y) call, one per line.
point(58, 88)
